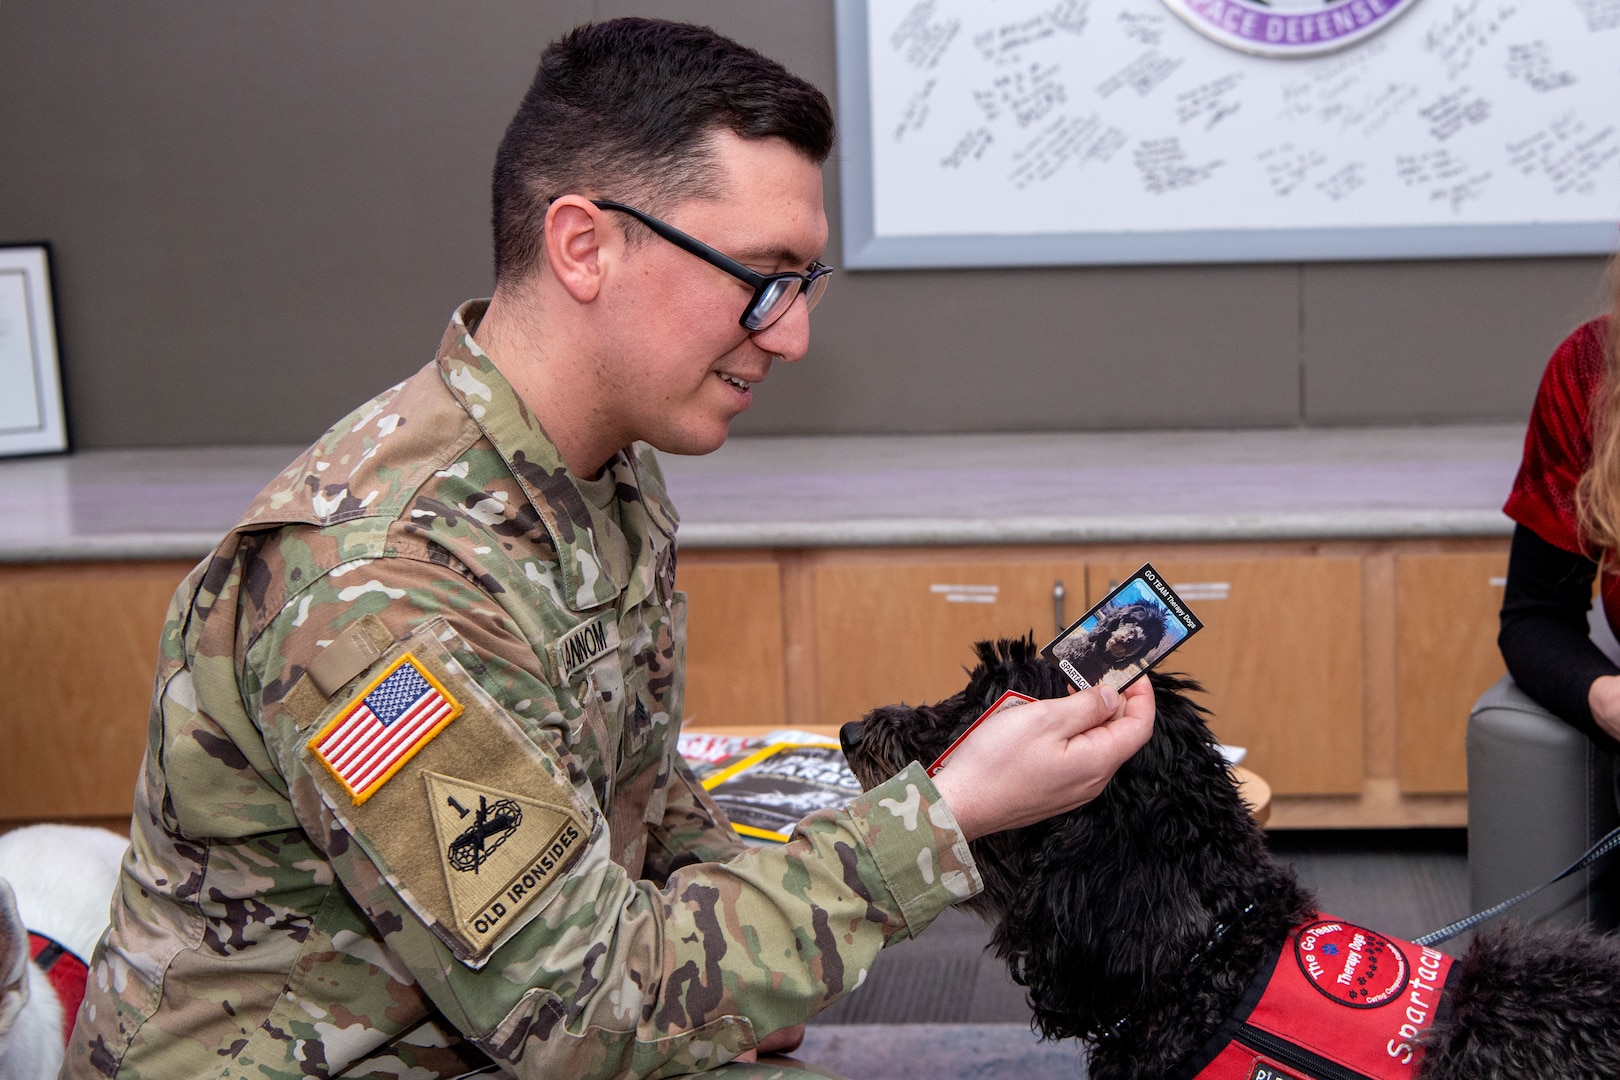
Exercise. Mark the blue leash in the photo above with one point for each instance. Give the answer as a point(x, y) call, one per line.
point(1593, 854)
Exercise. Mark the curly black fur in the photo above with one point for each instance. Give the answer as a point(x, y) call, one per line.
point(1106, 914)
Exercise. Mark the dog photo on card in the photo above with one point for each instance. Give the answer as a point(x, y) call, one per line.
point(1124, 634)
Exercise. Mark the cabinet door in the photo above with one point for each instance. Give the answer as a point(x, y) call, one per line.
point(80, 645)
point(902, 628)
point(734, 660)
point(1446, 612)
point(1281, 657)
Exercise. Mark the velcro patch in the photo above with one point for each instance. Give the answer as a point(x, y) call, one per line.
point(354, 650)
point(586, 643)
point(377, 732)
point(500, 851)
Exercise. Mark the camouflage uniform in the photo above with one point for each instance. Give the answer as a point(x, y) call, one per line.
point(533, 877)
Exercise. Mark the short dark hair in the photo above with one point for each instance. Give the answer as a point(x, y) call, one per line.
point(624, 109)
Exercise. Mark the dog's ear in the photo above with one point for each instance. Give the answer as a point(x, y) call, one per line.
point(1124, 923)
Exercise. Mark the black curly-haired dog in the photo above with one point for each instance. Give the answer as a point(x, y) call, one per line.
point(1139, 921)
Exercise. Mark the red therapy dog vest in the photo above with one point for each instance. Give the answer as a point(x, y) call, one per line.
point(67, 975)
point(1337, 1002)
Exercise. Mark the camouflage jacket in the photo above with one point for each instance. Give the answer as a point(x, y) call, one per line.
point(410, 799)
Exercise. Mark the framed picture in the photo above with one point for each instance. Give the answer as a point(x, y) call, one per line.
point(1098, 132)
point(31, 419)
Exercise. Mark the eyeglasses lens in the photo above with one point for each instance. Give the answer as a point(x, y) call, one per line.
point(779, 295)
point(773, 302)
point(815, 290)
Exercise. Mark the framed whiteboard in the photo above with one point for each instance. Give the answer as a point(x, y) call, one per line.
point(31, 419)
point(1049, 132)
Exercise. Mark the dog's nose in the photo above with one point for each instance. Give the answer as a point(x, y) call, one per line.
point(850, 736)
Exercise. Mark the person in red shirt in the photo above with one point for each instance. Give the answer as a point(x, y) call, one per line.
point(1566, 502)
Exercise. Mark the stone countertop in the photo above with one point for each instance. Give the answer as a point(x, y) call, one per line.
point(837, 491)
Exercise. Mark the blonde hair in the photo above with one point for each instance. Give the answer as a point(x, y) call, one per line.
point(1597, 496)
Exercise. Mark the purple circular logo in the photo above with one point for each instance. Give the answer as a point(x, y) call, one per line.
point(1289, 27)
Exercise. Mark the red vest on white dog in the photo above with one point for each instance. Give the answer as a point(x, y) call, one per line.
point(67, 973)
point(1336, 1002)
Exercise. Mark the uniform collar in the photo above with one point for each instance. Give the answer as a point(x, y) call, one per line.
point(646, 516)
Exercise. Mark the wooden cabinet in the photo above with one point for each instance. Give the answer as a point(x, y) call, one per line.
point(891, 629)
point(1346, 669)
point(1445, 657)
point(80, 641)
point(734, 647)
point(79, 646)
point(1281, 657)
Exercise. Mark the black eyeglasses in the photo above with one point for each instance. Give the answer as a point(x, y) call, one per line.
point(773, 293)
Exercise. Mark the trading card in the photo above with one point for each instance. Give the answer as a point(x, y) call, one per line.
point(1125, 634)
point(1005, 701)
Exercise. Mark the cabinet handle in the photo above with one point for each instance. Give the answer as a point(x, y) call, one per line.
point(1057, 605)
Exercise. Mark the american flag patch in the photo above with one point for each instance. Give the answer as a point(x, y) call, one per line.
point(379, 731)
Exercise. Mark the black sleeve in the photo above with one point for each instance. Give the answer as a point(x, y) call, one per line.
point(1545, 638)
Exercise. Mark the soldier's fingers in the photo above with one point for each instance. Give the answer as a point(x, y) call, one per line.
point(782, 1042)
point(1069, 716)
point(1138, 698)
point(1112, 744)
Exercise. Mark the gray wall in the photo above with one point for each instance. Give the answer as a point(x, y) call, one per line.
point(263, 213)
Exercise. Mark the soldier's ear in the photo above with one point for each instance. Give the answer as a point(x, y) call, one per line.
point(578, 242)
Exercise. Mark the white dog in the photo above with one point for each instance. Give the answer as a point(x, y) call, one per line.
point(61, 884)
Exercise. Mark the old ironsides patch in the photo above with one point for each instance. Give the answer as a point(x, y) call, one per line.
point(500, 851)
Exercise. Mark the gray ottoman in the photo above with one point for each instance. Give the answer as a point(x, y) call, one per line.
point(1539, 794)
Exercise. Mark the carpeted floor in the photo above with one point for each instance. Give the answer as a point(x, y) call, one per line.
point(939, 1052)
point(1405, 882)
point(942, 1006)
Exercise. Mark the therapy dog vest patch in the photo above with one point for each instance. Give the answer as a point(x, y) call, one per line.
point(1336, 1001)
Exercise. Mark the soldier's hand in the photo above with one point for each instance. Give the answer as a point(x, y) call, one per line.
point(1028, 763)
point(778, 1042)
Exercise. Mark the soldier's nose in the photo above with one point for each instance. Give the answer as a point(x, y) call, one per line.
point(850, 735)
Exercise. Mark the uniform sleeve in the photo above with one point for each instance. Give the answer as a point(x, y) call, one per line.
point(1558, 441)
point(693, 829)
point(566, 966)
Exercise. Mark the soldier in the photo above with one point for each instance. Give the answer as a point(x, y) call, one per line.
point(410, 804)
